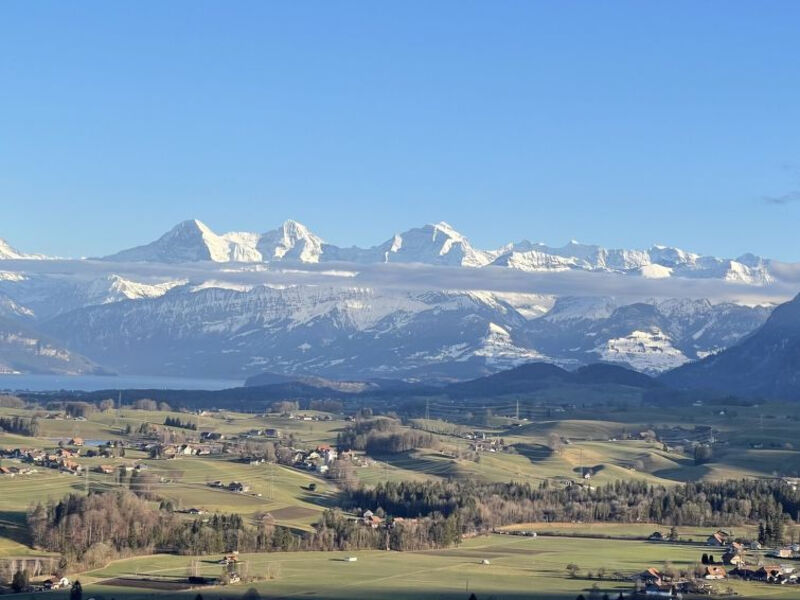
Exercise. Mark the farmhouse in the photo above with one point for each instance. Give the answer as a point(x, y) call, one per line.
point(718, 538)
point(715, 572)
point(650, 576)
point(733, 558)
point(770, 574)
point(782, 553)
point(238, 487)
point(656, 536)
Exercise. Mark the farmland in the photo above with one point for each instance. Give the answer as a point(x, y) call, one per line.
point(564, 444)
point(518, 568)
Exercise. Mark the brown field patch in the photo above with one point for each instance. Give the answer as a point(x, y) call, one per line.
point(292, 513)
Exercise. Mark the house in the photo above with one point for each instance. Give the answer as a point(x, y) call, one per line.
point(715, 572)
point(717, 539)
point(781, 553)
point(369, 519)
point(76, 441)
point(650, 576)
point(755, 545)
point(733, 558)
point(71, 466)
point(5, 471)
point(230, 559)
point(238, 487)
point(60, 584)
point(656, 536)
point(770, 573)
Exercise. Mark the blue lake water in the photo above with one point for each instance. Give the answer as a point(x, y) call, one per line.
point(90, 383)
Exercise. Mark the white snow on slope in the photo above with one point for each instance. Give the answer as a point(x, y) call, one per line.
point(7, 252)
point(648, 351)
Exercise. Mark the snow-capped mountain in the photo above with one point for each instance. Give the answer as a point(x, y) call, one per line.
point(358, 332)
point(198, 303)
point(439, 244)
point(23, 349)
point(764, 364)
point(657, 262)
point(7, 252)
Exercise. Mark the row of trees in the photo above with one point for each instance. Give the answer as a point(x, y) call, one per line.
point(482, 506)
point(20, 425)
point(176, 422)
point(91, 530)
point(383, 436)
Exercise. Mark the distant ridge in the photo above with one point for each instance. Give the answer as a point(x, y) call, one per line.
point(765, 363)
point(532, 376)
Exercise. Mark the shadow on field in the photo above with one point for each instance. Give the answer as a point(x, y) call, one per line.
point(534, 452)
point(12, 526)
point(420, 464)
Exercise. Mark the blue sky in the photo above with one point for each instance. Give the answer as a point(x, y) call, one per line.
point(620, 123)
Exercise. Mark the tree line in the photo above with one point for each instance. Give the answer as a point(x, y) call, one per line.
point(382, 436)
point(483, 506)
point(20, 425)
point(91, 530)
point(176, 422)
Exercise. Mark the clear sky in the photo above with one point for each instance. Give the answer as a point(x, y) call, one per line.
point(619, 123)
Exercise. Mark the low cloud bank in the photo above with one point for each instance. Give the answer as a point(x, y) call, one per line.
point(425, 277)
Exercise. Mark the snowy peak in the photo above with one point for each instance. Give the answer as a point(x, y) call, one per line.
point(193, 241)
point(7, 252)
point(437, 244)
point(188, 241)
point(291, 241)
point(115, 288)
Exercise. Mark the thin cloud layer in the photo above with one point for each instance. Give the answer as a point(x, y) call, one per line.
point(405, 277)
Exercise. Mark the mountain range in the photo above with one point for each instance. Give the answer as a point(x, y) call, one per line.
point(437, 244)
point(765, 363)
point(196, 303)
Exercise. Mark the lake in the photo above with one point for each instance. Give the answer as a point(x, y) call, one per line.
point(90, 383)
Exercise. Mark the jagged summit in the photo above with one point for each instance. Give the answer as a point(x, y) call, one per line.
point(8, 252)
point(440, 244)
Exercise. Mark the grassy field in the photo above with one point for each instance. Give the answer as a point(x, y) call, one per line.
point(532, 569)
point(520, 567)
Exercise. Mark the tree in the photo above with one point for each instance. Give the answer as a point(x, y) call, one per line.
point(704, 558)
point(703, 454)
point(573, 569)
point(76, 593)
point(673, 534)
point(20, 581)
